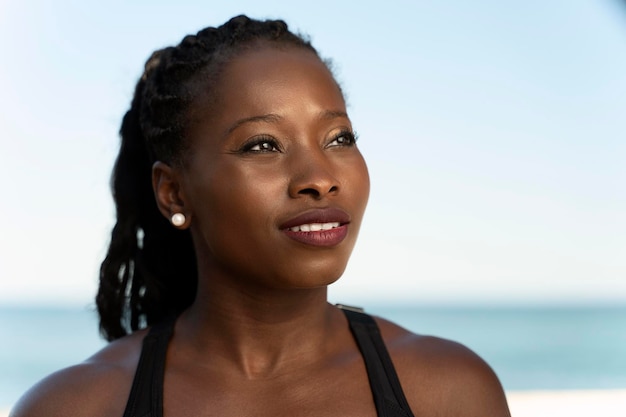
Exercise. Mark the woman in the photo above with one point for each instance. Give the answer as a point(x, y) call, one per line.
point(214, 297)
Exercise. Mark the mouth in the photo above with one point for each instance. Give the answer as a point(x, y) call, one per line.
point(319, 227)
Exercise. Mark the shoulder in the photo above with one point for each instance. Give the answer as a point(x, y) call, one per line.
point(97, 387)
point(442, 377)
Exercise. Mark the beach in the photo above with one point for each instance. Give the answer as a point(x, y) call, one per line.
point(573, 403)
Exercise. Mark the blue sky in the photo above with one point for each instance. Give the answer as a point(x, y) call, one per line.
point(493, 130)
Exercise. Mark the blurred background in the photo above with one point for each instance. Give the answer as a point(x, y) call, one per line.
point(495, 136)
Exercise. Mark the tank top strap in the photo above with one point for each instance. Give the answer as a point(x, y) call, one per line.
point(389, 397)
point(146, 394)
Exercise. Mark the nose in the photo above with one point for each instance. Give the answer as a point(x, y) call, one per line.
point(312, 176)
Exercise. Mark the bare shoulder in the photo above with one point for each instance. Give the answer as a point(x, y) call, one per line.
point(442, 377)
point(97, 387)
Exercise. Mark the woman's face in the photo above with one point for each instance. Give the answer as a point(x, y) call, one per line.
point(274, 184)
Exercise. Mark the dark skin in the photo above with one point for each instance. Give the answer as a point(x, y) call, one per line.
point(261, 339)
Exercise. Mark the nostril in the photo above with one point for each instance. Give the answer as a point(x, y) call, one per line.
point(309, 191)
point(317, 192)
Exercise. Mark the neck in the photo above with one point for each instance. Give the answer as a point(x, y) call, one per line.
point(259, 331)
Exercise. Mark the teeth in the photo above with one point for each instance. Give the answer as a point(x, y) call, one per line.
point(314, 227)
point(328, 226)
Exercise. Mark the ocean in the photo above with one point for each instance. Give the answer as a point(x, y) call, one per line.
point(530, 348)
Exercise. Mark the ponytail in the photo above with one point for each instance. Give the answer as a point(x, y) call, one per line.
point(149, 271)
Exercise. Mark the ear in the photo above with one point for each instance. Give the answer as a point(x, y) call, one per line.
point(168, 193)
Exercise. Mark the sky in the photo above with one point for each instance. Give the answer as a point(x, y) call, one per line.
point(494, 132)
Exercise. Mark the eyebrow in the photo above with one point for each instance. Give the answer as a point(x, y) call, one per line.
point(267, 118)
point(332, 114)
point(273, 118)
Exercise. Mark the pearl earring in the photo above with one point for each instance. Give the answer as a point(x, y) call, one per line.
point(178, 219)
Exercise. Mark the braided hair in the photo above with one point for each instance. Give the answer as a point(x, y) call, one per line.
point(150, 271)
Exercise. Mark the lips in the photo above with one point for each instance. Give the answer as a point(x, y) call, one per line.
point(318, 227)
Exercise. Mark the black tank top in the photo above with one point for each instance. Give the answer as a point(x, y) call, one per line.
point(146, 395)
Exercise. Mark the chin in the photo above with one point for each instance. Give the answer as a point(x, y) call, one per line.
point(319, 277)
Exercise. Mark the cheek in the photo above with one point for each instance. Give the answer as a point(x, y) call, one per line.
point(359, 182)
point(234, 208)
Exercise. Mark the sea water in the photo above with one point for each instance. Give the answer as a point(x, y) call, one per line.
point(529, 348)
point(534, 348)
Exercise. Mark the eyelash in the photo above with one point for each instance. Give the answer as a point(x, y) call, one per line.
point(349, 137)
point(258, 141)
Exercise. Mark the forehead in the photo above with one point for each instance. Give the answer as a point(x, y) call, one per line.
point(269, 65)
point(272, 80)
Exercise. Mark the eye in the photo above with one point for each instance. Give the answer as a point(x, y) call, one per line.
point(345, 138)
point(260, 144)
